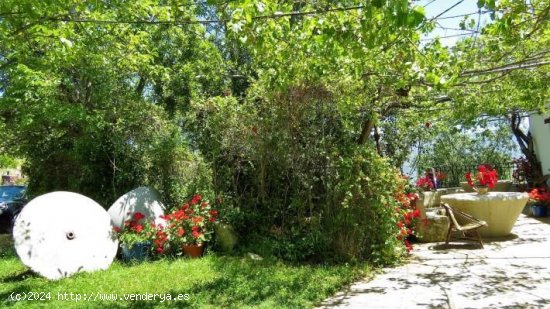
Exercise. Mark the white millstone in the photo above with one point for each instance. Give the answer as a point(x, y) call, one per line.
point(61, 233)
point(143, 199)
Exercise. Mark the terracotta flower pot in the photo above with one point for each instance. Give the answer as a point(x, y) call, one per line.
point(194, 251)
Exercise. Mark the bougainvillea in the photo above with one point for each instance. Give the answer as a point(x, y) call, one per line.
point(407, 213)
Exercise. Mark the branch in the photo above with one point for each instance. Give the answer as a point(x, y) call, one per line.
point(485, 81)
point(369, 124)
point(507, 67)
point(538, 22)
point(141, 85)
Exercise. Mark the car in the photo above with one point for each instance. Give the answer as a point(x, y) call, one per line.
point(12, 200)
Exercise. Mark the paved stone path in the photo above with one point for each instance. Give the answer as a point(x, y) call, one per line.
point(512, 272)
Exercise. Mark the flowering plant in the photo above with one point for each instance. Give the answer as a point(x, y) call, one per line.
point(486, 176)
point(440, 176)
point(192, 223)
point(135, 230)
point(425, 183)
point(406, 212)
point(540, 195)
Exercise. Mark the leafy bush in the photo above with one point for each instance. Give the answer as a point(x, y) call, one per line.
point(288, 169)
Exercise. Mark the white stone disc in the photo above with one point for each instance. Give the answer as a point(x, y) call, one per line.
point(143, 199)
point(61, 233)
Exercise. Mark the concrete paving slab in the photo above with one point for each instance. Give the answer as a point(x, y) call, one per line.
point(510, 272)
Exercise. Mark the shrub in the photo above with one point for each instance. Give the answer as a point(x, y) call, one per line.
point(288, 168)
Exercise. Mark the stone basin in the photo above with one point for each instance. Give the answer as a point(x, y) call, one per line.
point(499, 209)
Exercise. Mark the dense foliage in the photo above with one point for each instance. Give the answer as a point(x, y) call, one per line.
point(91, 107)
point(294, 115)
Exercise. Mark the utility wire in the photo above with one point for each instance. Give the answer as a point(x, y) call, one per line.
point(213, 21)
point(207, 21)
point(447, 10)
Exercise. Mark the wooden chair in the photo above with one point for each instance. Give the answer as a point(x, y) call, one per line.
point(472, 224)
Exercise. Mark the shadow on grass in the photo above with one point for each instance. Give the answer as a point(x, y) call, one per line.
point(18, 277)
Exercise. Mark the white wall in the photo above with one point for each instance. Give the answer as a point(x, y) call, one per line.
point(541, 140)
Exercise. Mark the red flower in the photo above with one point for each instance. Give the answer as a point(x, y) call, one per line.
point(137, 228)
point(196, 199)
point(540, 195)
point(486, 176)
point(412, 196)
point(408, 246)
point(180, 215)
point(181, 231)
point(138, 216)
point(424, 183)
point(196, 234)
point(212, 219)
point(197, 219)
point(117, 229)
point(204, 204)
point(161, 234)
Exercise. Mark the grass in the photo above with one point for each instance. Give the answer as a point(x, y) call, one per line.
point(210, 282)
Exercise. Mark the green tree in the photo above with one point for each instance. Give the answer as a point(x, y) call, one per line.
point(91, 99)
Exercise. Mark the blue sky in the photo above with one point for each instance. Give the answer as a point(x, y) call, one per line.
point(434, 8)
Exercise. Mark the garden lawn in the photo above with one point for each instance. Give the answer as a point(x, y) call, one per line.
point(210, 282)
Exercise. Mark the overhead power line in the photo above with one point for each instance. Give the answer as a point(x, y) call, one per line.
point(207, 21)
point(447, 10)
point(218, 21)
point(462, 15)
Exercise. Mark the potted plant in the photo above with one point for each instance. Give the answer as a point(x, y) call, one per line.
point(541, 199)
point(486, 179)
point(135, 237)
point(189, 227)
point(425, 183)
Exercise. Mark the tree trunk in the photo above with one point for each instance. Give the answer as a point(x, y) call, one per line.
point(368, 124)
point(525, 142)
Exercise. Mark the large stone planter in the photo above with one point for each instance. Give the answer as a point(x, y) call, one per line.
point(499, 209)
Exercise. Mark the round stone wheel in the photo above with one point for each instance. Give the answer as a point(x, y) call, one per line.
point(145, 200)
point(61, 233)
